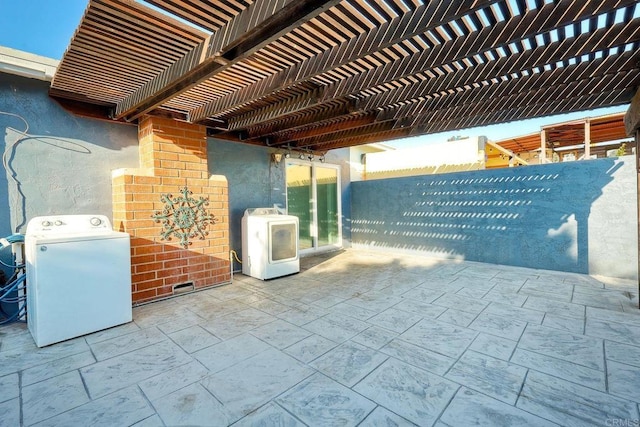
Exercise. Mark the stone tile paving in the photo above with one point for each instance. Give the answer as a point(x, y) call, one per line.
point(356, 339)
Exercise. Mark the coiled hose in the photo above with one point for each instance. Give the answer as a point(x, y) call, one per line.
point(13, 292)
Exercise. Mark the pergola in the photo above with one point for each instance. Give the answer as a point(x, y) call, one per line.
point(314, 75)
point(591, 135)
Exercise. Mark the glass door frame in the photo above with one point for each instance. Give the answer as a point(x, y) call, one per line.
point(314, 204)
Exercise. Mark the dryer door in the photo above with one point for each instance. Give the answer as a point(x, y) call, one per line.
point(283, 241)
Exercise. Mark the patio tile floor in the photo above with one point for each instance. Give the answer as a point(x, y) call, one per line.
point(356, 339)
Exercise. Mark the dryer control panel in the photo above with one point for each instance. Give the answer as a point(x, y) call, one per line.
point(262, 211)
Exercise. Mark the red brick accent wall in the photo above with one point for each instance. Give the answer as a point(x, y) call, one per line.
point(172, 155)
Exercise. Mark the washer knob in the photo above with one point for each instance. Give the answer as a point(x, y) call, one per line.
point(58, 222)
point(46, 223)
point(95, 221)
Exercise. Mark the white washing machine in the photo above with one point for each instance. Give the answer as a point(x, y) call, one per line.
point(269, 244)
point(78, 277)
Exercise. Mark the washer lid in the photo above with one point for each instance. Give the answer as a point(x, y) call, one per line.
point(42, 239)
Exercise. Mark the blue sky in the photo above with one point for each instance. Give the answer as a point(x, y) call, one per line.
point(45, 27)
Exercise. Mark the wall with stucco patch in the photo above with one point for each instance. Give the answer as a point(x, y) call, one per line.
point(63, 165)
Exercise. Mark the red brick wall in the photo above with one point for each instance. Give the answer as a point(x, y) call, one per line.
point(172, 155)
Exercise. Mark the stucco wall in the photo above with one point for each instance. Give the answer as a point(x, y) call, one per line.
point(255, 181)
point(578, 216)
point(64, 164)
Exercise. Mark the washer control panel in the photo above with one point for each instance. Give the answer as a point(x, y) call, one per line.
point(68, 224)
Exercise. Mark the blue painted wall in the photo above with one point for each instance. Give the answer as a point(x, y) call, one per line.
point(572, 216)
point(578, 217)
point(255, 181)
point(64, 164)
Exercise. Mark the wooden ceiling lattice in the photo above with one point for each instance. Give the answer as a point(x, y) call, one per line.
point(322, 74)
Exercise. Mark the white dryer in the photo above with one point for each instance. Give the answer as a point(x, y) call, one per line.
point(78, 277)
point(269, 243)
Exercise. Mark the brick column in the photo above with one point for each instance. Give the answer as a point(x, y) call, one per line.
point(173, 155)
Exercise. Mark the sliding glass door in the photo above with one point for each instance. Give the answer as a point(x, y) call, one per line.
point(300, 200)
point(313, 195)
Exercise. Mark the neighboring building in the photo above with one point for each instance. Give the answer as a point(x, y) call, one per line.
point(587, 138)
point(455, 155)
point(358, 155)
point(26, 64)
point(563, 142)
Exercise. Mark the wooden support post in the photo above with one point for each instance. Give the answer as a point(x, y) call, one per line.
point(587, 140)
point(543, 146)
point(637, 137)
point(632, 126)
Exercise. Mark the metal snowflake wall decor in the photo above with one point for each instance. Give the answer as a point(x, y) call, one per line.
point(184, 217)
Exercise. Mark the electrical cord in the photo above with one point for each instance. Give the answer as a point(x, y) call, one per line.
point(17, 315)
point(11, 266)
point(235, 255)
point(12, 286)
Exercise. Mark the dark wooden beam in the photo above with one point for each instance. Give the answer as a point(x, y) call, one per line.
point(276, 110)
point(358, 132)
point(616, 35)
point(632, 118)
point(581, 103)
point(538, 92)
point(371, 138)
point(321, 129)
point(216, 125)
point(576, 77)
point(255, 27)
point(527, 60)
point(409, 24)
point(458, 49)
point(168, 114)
point(300, 119)
point(527, 25)
point(480, 117)
point(84, 109)
point(64, 94)
point(584, 103)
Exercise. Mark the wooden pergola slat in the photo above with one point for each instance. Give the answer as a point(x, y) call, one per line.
point(253, 28)
point(320, 74)
point(617, 35)
point(412, 23)
point(445, 53)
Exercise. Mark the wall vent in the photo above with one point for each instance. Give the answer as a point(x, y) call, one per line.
point(183, 287)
